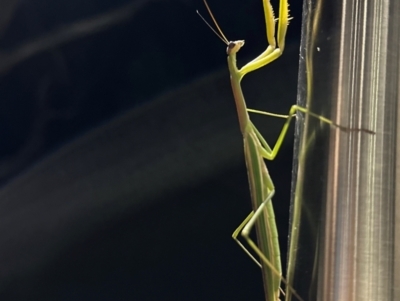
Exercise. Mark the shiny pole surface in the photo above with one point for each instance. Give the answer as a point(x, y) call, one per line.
point(345, 226)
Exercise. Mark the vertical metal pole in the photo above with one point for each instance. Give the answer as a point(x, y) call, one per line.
point(345, 228)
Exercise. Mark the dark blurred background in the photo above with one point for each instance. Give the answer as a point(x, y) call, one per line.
point(121, 162)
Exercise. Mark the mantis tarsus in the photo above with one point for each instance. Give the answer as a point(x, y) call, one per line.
point(256, 149)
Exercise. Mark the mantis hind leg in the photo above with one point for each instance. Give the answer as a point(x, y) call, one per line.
point(248, 223)
point(244, 229)
point(235, 235)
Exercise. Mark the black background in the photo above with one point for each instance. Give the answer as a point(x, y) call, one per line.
point(164, 233)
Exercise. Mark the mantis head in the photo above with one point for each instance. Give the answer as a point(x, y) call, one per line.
point(234, 47)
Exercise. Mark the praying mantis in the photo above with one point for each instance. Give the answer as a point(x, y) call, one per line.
point(256, 149)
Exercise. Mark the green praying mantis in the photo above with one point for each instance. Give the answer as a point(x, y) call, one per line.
point(256, 149)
